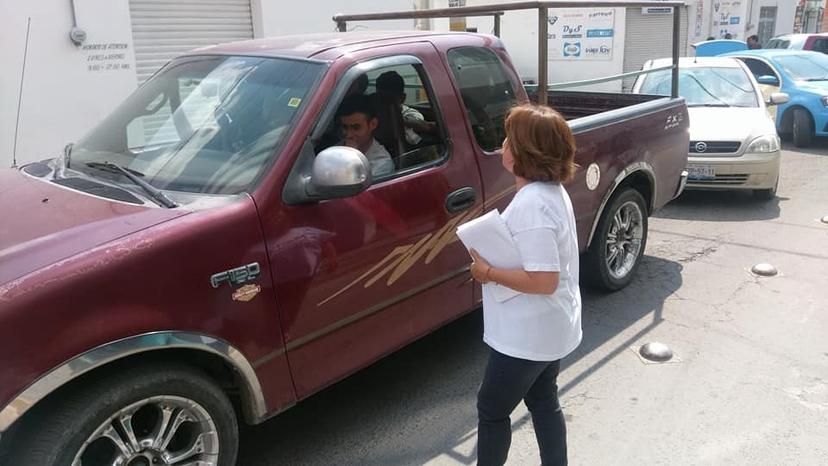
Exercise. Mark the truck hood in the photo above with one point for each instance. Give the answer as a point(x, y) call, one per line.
point(42, 223)
point(729, 124)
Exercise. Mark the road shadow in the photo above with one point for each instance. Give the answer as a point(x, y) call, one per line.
point(721, 206)
point(419, 403)
point(819, 146)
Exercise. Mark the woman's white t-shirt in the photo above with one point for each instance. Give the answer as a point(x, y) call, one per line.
point(534, 326)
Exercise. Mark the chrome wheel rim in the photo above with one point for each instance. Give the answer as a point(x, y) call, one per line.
point(156, 431)
point(624, 238)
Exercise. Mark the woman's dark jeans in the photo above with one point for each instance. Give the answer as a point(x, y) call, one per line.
point(507, 381)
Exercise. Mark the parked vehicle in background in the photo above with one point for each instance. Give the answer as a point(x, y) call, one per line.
point(733, 140)
point(209, 250)
point(815, 42)
point(803, 76)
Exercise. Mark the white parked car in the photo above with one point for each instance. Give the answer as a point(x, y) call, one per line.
point(733, 139)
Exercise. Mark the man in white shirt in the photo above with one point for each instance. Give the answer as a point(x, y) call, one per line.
point(359, 120)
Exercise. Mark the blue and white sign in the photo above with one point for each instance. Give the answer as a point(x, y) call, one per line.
point(572, 49)
point(583, 34)
point(734, 20)
point(599, 32)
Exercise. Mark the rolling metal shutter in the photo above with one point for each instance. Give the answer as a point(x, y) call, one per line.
point(164, 29)
point(648, 37)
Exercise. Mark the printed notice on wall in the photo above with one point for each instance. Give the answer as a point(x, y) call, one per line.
point(585, 34)
point(726, 19)
point(102, 57)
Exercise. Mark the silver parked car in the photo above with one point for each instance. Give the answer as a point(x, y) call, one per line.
point(733, 139)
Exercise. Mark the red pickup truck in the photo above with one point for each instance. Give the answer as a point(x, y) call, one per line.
point(205, 255)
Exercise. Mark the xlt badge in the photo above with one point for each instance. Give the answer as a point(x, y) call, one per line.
point(237, 276)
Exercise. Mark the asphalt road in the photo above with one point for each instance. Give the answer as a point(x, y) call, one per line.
point(748, 383)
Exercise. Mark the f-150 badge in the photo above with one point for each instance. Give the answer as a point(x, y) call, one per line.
point(237, 276)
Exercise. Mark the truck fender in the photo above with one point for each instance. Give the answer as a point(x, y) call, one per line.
point(253, 403)
point(621, 179)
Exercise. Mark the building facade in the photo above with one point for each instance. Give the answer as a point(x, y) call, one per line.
point(809, 16)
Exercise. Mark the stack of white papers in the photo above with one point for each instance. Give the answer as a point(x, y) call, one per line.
point(491, 238)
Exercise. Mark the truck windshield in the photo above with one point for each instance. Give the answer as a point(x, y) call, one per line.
point(706, 86)
point(810, 67)
point(206, 124)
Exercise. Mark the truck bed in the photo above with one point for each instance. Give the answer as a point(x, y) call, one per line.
point(574, 104)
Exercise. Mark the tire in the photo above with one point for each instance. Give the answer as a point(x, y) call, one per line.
point(604, 250)
point(56, 432)
point(803, 131)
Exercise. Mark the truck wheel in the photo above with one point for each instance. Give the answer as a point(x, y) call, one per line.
point(144, 416)
point(803, 131)
point(619, 242)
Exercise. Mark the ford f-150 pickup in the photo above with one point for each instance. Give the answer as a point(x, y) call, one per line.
point(209, 253)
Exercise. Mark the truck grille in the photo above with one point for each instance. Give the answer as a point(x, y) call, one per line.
point(714, 147)
point(720, 180)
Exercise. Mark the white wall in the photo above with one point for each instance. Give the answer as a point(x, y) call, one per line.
point(785, 12)
point(314, 16)
point(62, 97)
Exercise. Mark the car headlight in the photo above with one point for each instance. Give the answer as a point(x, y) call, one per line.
point(824, 100)
point(764, 144)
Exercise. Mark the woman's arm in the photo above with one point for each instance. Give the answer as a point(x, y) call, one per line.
point(516, 279)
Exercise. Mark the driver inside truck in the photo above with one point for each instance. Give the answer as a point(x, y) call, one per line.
point(332, 133)
point(358, 119)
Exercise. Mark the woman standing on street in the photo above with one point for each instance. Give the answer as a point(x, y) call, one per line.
point(530, 333)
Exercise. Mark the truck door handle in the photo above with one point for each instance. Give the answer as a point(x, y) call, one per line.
point(461, 199)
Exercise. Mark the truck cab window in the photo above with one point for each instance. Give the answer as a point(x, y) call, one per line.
point(486, 90)
point(406, 124)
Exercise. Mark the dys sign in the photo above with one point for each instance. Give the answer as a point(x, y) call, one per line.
point(585, 34)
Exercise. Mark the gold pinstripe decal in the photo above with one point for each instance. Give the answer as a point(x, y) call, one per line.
point(402, 258)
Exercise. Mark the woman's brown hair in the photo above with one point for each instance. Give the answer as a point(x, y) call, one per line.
point(541, 142)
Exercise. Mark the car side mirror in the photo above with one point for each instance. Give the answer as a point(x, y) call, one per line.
point(339, 171)
point(768, 80)
point(778, 98)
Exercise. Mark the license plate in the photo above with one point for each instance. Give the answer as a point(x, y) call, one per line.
point(701, 172)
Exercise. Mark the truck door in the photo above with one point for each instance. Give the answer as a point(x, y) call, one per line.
point(488, 89)
point(357, 278)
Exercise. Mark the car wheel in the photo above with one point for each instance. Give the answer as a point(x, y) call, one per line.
point(144, 416)
point(619, 242)
point(803, 130)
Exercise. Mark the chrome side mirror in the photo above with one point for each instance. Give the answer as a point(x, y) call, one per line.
point(778, 98)
point(340, 171)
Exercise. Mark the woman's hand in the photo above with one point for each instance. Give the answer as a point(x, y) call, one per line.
point(480, 268)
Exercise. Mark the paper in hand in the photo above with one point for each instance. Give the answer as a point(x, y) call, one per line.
point(489, 236)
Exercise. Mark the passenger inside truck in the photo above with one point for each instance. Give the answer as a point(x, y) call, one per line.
point(408, 123)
